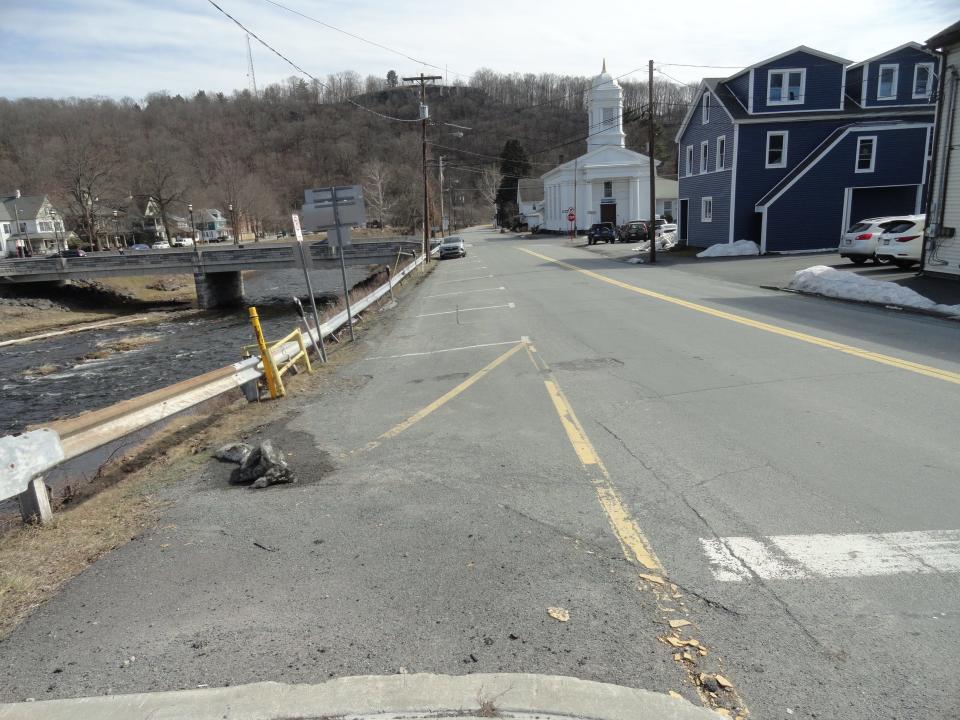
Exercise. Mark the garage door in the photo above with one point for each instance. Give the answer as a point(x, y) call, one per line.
point(882, 201)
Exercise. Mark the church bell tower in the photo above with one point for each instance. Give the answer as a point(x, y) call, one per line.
point(605, 111)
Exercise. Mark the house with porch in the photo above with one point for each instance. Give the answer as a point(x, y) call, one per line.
point(792, 150)
point(30, 225)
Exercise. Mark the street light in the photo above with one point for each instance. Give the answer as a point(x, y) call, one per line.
point(193, 228)
point(233, 224)
point(56, 234)
point(116, 227)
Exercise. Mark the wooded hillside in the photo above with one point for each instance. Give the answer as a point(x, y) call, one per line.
point(260, 153)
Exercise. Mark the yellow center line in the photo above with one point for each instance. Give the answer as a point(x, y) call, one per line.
point(634, 543)
point(909, 366)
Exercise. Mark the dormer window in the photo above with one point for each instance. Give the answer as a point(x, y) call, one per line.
point(922, 81)
point(786, 87)
point(887, 82)
point(705, 110)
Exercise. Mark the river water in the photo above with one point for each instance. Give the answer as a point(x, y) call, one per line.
point(177, 349)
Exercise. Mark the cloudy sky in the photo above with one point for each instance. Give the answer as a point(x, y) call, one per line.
point(120, 48)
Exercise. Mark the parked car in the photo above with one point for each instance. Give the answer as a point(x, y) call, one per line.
point(666, 227)
point(902, 242)
point(72, 252)
point(160, 245)
point(598, 232)
point(182, 242)
point(634, 231)
point(140, 246)
point(859, 243)
point(452, 247)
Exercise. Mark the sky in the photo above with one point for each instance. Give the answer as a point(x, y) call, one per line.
point(129, 48)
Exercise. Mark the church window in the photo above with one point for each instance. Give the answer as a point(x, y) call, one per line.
point(609, 116)
point(608, 189)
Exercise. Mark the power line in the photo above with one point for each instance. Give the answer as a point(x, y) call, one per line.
point(356, 37)
point(299, 69)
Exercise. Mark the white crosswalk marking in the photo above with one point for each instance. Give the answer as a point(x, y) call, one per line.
point(797, 557)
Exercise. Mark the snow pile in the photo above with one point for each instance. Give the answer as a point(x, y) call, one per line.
point(740, 247)
point(636, 260)
point(824, 280)
point(664, 242)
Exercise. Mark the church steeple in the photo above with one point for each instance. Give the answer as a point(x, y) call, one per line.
point(605, 112)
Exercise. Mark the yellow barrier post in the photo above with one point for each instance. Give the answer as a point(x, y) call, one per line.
point(274, 385)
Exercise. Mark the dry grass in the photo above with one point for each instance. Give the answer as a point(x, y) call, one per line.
point(40, 370)
point(138, 288)
point(22, 320)
point(113, 347)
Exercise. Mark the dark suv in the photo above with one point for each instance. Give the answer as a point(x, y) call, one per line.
point(598, 232)
point(635, 231)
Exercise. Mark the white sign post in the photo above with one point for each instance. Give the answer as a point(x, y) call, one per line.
point(318, 342)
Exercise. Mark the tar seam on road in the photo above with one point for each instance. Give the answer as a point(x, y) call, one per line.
point(920, 369)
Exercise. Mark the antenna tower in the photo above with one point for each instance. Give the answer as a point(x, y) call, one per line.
point(251, 75)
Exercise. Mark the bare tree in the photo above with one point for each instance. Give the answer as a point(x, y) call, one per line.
point(376, 176)
point(488, 183)
point(85, 171)
point(162, 175)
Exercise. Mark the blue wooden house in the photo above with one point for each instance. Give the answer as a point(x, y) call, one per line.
point(793, 150)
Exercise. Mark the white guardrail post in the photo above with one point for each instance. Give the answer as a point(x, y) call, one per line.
point(24, 458)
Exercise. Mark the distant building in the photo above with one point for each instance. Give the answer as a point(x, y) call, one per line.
point(667, 194)
point(791, 151)
point(942, 251)
point(609, 183)
point(530, 202)
point(212, 225)
point(30, 225)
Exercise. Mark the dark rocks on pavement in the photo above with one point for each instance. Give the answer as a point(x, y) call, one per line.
point(234, 453)
point(265, 465)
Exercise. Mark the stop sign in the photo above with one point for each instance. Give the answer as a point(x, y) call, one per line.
point(571, 216)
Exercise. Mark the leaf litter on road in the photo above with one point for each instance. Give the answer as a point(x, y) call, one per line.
point(558, 613)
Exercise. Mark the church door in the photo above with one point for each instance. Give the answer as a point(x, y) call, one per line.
point(608, 212)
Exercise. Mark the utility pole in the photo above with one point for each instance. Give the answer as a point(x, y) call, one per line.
point(651, 135)
point(441, 196)
point(424, 114)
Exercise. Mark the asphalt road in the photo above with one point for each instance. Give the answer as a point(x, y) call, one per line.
point(539, 427)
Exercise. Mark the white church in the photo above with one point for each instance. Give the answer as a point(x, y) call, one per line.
point(608, 183)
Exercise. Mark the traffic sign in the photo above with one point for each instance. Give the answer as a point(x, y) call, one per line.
point(296, 228)
point(571, 216)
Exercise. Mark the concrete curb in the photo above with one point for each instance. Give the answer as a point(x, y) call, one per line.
point(387, 696)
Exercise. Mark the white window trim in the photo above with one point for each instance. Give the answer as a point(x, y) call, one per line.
point(689, 160)
point(703, 209)
point(895, 83)
point(721, 160)
point(873, 155)
point(766, 157)
point(916, 71)
point(705, 109)
point(704, 156)
point(786, 77)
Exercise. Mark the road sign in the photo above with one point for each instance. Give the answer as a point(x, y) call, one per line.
point(571, 216)
point(318, 214)
point(296, 228)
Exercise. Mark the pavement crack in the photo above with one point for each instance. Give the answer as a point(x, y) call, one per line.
point(706, 523)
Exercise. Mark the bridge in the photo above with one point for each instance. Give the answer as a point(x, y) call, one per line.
point(217, 271)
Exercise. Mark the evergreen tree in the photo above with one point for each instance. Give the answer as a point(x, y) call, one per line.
point(392, 78)
point(514, 164)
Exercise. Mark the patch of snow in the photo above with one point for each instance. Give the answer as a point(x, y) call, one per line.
point(636, 260)
point(847, 285)
point(734, 249)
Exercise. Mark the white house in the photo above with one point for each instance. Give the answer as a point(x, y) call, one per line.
point(609, 183)
point(667, 192)
point(530, 202)
point(29, 224)
point(942, 234)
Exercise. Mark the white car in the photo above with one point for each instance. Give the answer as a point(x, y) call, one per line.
point(666, 228)
point(859, 243)
point(160, 245)
point(902, 242)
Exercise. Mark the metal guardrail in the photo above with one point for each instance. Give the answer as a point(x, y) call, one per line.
point(26, 457)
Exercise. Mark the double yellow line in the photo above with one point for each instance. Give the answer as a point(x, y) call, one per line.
point(899, 363)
